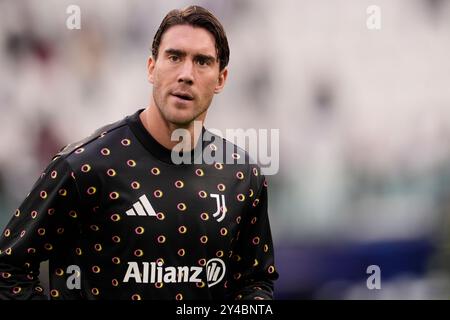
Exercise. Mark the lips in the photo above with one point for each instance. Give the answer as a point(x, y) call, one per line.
point(183, 95)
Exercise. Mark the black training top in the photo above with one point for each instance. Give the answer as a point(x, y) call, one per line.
point(118, 219)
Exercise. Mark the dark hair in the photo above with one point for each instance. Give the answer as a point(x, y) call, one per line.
point(195, 16)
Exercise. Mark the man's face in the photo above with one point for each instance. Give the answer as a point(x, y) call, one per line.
point(186, 74)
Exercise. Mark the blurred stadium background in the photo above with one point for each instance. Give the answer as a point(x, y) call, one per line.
point(364, 119)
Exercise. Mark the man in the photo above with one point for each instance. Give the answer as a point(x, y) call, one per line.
point(119, 218)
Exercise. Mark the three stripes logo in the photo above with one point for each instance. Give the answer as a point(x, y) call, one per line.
point(215, 271)
point(221, 207)
point(142, 208)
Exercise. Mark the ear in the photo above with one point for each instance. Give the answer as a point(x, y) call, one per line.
point(221, 81)
point(150, 68)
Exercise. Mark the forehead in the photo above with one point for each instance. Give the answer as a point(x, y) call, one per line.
point(190, 39)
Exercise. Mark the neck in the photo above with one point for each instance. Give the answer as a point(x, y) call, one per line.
point(161, 129)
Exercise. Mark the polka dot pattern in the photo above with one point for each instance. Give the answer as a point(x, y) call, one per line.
point(96, 190)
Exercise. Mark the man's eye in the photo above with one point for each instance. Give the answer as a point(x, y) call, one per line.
point(174, 58)
point(202, 62)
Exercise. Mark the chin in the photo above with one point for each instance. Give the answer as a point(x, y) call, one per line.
point(180, 118)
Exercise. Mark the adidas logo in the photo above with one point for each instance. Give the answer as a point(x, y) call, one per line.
point(141, 208)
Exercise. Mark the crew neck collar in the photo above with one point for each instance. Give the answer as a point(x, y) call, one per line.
point(154, 147)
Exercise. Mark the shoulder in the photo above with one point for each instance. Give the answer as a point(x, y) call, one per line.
point(106, 132)
point(229, 153)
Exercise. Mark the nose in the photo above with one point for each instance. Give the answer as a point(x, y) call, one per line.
point(186, 73)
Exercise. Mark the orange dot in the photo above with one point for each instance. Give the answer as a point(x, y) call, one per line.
point(73, 214)
point(95, 269)
point(203, 239)
point(181, 252)
point(135, 297)
point(158, 193)
point(116, 260)
point(160, 216)
point(135, 185)
point(125, 142)
point(204, 216)
point(179, 184)
point(54, 293)
point(202, 262)
point(114, 195)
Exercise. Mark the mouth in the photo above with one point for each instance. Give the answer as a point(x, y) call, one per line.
point(183, 95)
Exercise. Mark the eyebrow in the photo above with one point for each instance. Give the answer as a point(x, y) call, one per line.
point(182, 53)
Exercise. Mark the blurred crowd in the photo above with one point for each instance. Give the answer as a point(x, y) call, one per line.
point(364, 119)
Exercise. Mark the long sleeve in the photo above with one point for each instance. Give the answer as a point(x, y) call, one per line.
point(42, 225)
point(253, 269)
